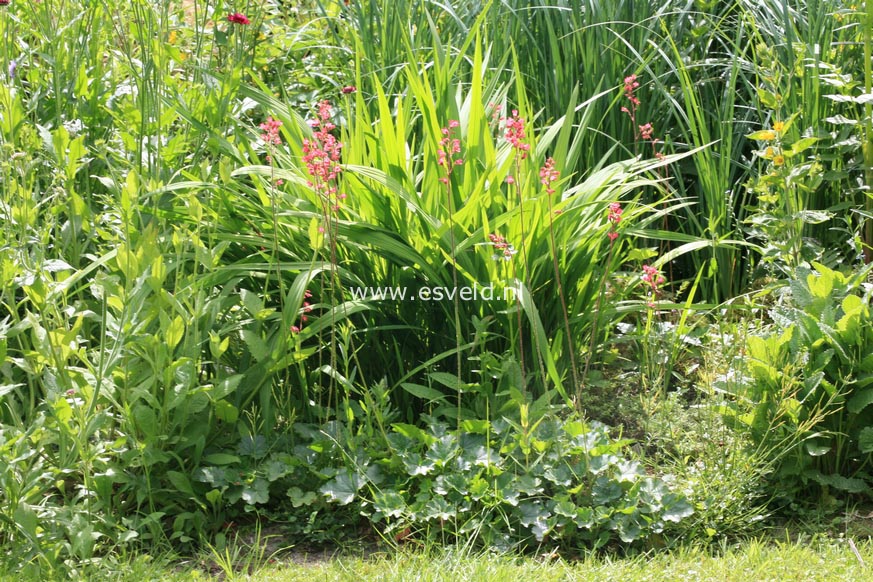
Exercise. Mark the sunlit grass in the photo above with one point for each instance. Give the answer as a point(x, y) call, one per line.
point(824, 560)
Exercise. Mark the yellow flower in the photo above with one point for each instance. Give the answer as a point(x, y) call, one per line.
point(172, 37)
point(768, 153)
point(778, 126)
point(779, 160)
point(766, 135)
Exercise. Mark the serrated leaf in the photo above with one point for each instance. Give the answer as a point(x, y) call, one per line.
point(343, 487)
point(257, 346)
point(865, 439)
point(443, 450)
point(848, 484)
point(255, 446)
point(534, 516)
point(676, 508)
point(257, 492)
point(276, 470)
point(389, 503)
point(860, 401)
point(215, 476)
point(299, 498)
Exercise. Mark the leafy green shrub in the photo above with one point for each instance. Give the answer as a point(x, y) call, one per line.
point(807, 385)
point(504, 483)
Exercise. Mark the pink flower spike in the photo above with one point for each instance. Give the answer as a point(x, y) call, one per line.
point(271, 131)
point(510, 180)
point(453, 124)
point(614, 213)
point(549, 174)
point(295, 329)
point(612, 235)
point(646, 131)
point(349, 89)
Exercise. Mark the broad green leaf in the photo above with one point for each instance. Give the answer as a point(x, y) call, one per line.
point(860, 401)
point(676, 508)
point(256, 344)
point(343, 487)
point(412, 432)
point(174, 332)
point(801, 146)
point(257, 492)
point(865, 439)
point(762, 135)
point(255, 446)
point(818, 447)
point(225, 411)
point(180, 482)
point(300, 498)
point(424, 392)
point(221, 459)
point(27, 520)
point(146, 420)
point(389, 503)
point(849, 484)
point(226, 385)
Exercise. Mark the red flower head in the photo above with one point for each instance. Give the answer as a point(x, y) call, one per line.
point(349, 89)
point(4, 2)
point(614, 213)
point(236, 18)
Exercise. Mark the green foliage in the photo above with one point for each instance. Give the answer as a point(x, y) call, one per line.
point(806, 385)
point(564, 483)
point(180, 343)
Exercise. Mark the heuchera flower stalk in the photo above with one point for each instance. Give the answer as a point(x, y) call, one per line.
point(449, 146)
point(321, 154)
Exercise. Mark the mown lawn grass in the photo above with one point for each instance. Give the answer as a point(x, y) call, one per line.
point(753, 561)
point(824, 559)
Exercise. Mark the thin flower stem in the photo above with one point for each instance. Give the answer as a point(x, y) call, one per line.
point(457, 308)
point(596, 316)
point(554, 250)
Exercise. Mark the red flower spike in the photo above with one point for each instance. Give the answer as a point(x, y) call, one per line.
point(238, 18)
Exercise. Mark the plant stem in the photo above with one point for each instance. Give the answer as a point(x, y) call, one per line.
point(564, 311)
point(868, 134)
